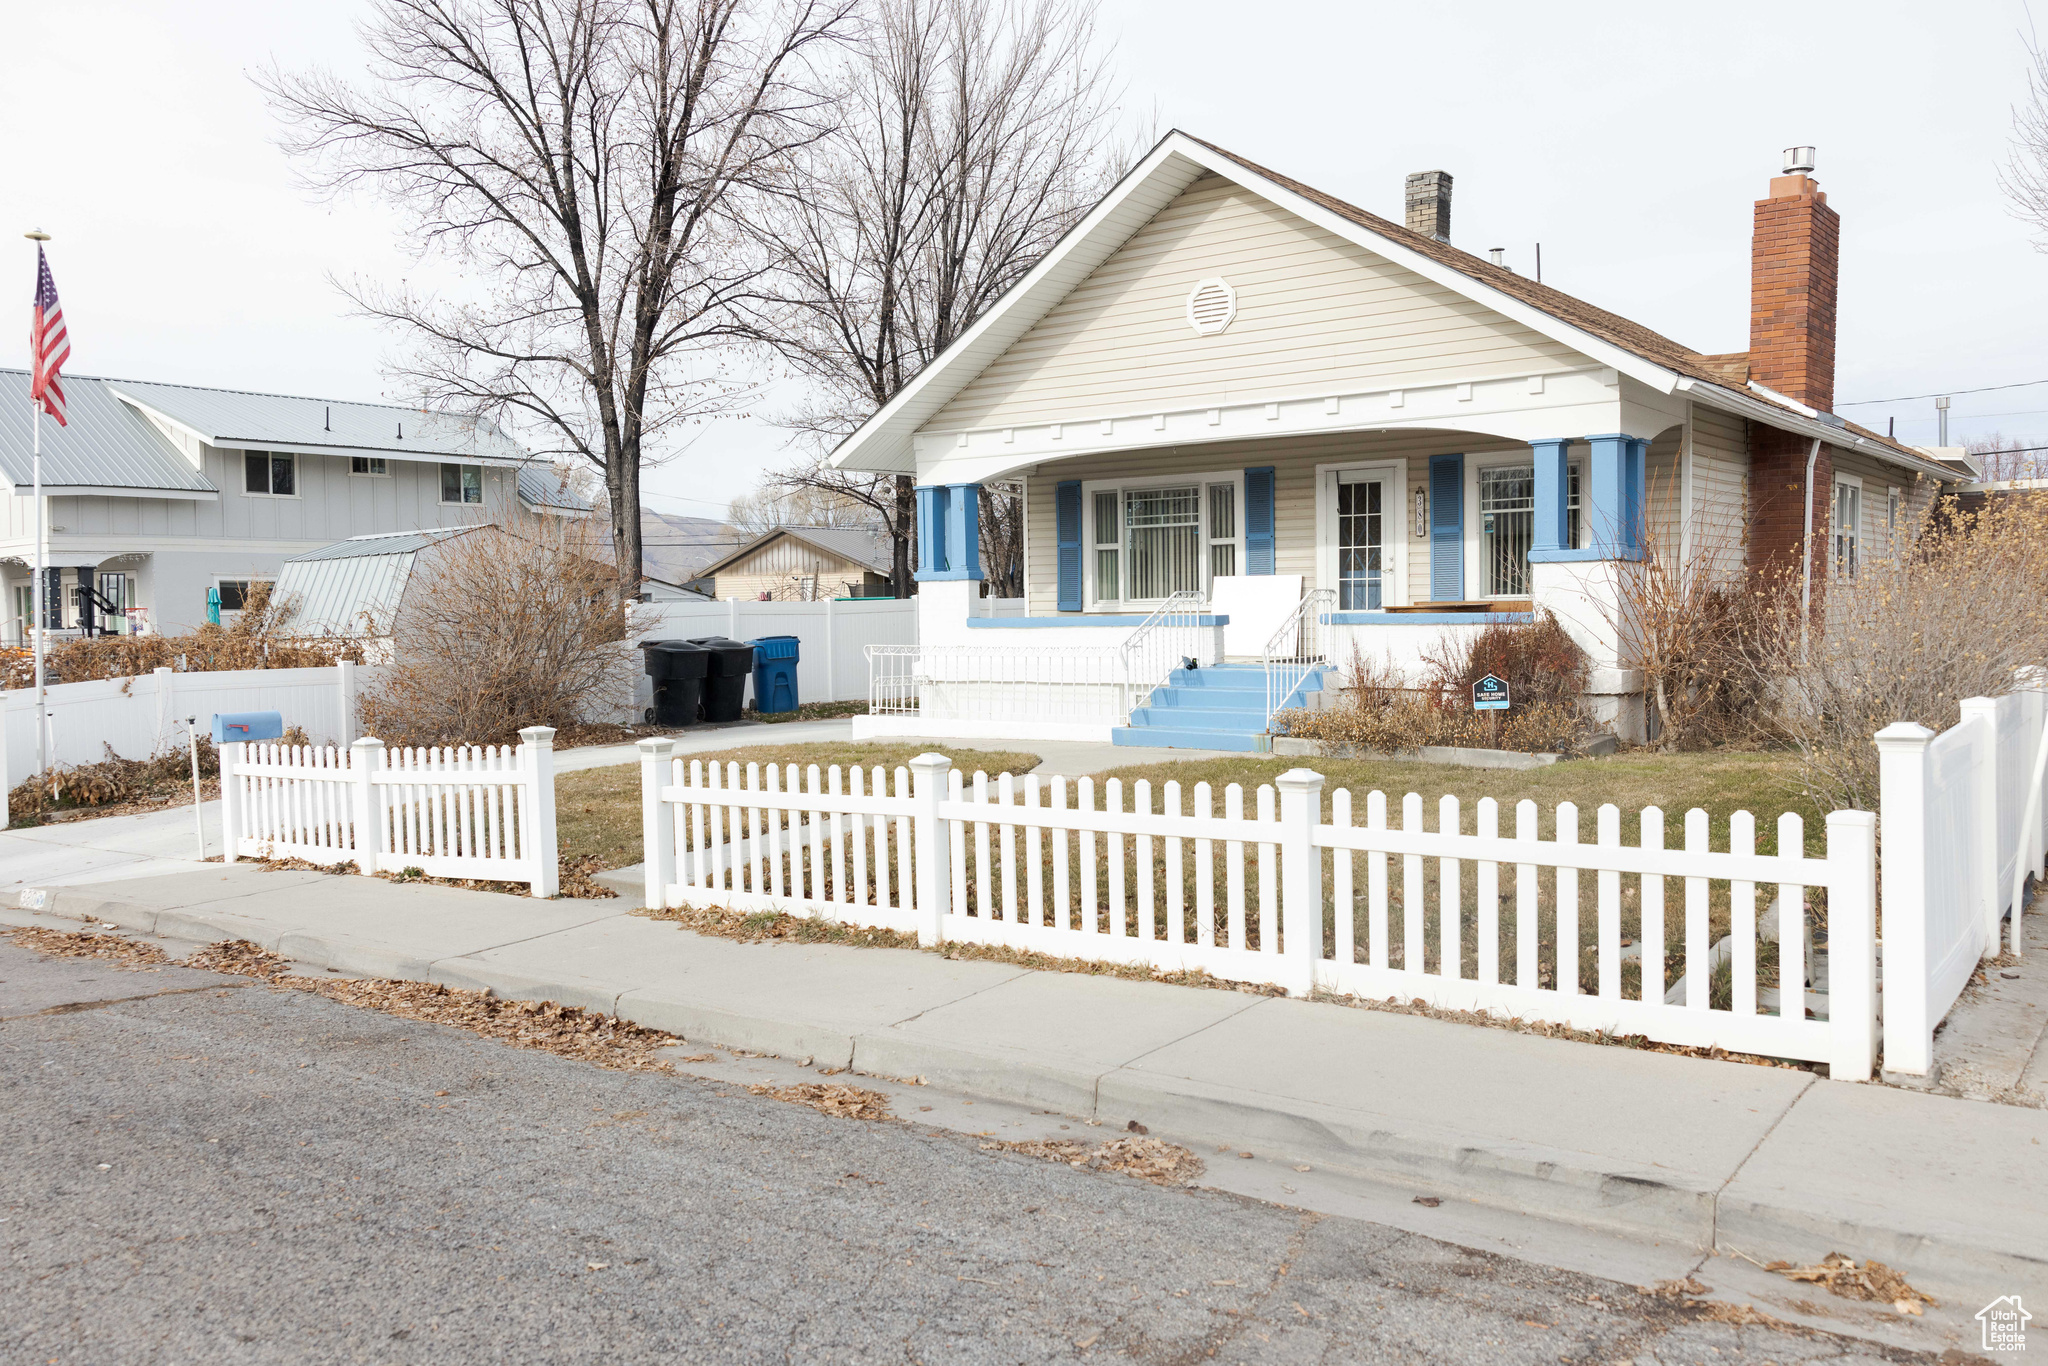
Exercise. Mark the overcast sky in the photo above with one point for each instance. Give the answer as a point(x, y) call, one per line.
point(1629, 139)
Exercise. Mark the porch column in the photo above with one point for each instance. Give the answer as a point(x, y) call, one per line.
point(53, 598)
point(948, 532)
point(1613, 506)
point(1553, 487)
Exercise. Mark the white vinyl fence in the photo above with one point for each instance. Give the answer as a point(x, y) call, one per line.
point(832, 663)
point(1954, 835)
point(144, 716)
point(474, 811)
point(1671, 944)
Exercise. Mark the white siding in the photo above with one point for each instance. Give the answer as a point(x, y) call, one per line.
point(1313, 312)
point(1720, 492)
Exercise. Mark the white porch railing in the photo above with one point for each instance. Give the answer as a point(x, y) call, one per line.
point(1296, 647)
point(1459, 915)
point(484, 812)
point(1955, 835)
point(1072, 684)
point(1170, 637)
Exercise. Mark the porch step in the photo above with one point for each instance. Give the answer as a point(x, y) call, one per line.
point(1220, 707)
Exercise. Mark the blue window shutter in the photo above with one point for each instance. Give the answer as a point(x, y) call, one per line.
point(1066, 502)
point(1446, 528)
point(1258, 520)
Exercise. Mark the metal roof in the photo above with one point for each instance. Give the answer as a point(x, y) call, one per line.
point(541, 486)
point(241, 420)
point(381, 543)
point(106, 444)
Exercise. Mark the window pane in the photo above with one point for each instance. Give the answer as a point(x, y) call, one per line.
point(451, 483)
point(1222, 512)
point(1105, 575)
point(233, 593)
point(1507, 526)
point(1105, 518)
point(1223, 560)
point(472, 483)
point(1361, 542)
point(1163, 536)
point(281, 481)
point(1573, 538)
point(256, 472)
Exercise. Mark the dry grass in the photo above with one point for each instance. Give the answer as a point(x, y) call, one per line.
point(597, 810)
point(1148, 1159)
point(112, 949)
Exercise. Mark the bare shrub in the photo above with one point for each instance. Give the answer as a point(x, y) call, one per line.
point(503, 628)
point(1954, 613)
point(258, 638)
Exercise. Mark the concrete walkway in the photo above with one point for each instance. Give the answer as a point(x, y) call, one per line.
point(1772, 1162)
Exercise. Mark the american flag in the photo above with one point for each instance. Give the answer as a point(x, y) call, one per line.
point(48, 343)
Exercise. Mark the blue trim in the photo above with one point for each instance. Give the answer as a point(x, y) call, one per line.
point(1077, 619)
point(1427, 618)
point(963, 530)
point(1553, 489)
point(948, 526)
point(1447, 527)
point(1258, 520)
point(1582, 556)
point(1066, 517)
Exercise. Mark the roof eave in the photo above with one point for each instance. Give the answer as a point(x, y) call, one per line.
point(1742, 405)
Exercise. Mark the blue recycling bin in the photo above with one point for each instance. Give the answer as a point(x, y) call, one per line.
point(775, 660)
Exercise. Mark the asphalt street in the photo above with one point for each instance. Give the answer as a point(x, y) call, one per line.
point(204, 1169)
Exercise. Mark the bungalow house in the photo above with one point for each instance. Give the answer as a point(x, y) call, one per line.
point(801, 564)
point(159, 496)
point(1258, 426)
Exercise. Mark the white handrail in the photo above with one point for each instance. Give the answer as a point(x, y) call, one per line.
point(1296, 647)
point(1165, 640)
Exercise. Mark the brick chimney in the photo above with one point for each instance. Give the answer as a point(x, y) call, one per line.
point(1794, 264)
point(1429, 204)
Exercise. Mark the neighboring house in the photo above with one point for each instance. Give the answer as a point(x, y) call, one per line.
point(1223, 382)
point(802, 564)
point(675, 549)
point(357, 587)
point(158, 494)
point(546, 492)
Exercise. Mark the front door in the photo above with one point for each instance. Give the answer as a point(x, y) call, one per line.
point(1361, 542)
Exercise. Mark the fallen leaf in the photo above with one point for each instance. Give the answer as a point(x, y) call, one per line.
point(1429, 1201)
point(597, 1266)
point(1137, 1128)
point(1304, 1167)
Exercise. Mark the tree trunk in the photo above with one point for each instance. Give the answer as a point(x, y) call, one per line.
point(899, 531)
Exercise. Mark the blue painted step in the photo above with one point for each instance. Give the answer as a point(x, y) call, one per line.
point(1221, 707)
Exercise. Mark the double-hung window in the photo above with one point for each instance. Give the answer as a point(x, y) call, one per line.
point(269, 474)
point(1151, 542)
point(1507, 528)
point(1848, 529)
point(462, 483)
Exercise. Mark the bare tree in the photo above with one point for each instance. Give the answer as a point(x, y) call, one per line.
point(2024, 177)
point(591, 164)
point(776, 504)
point(974, 135)
point(2007, 457)
point(1002, 538)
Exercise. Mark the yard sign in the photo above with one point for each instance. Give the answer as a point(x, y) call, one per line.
point(1490, 694)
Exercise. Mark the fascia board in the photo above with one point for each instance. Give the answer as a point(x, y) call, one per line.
point(115, 491)
point(882, 443)
point(1741, 405)
point(251, 443)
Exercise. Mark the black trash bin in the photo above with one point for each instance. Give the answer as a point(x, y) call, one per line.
point(725, 681)
point(677, 669)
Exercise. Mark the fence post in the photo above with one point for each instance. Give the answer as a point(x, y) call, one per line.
point(1987, 831)
point(1301, 877)
point(365, 757)
point(934, 843)
point(229, 756)
point(831, 657)
point(345, 671)
point(1902, 805)
point(539, 744)
point(1852, 944)
point(657, 830)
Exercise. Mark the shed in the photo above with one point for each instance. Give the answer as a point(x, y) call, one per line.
point(354, 587)
point(803, 564)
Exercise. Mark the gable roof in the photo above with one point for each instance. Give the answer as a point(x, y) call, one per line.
point(242, 419)
point(541, 486)
point(860, 546)
point(106, 446)
point(884, 442)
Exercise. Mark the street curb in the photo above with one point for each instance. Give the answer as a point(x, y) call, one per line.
point(1567, 1187)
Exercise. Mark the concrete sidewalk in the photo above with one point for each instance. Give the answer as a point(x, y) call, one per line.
point(1772, 1162)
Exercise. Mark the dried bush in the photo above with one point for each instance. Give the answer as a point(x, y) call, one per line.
point(256, 639)
point(114, 781)
point(1544, 668)
point(503, 628)
point(1954, 613)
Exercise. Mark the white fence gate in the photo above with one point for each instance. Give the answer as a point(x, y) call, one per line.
point(471, 811)
point(1954, 835)
point(1282, 896)
point(143, 716)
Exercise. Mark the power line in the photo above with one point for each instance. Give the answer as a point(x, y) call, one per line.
point(1950, 393)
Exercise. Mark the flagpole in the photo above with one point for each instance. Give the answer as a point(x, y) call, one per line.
point(37, 589)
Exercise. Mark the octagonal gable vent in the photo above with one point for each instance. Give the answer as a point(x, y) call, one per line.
point(1211, 305)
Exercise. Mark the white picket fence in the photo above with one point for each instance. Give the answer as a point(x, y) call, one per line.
point(472, 811)
point(1280, 895)
point(1955, 834)
point(144, 716)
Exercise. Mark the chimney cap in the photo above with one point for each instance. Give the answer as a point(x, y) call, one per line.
point(1798, 160)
